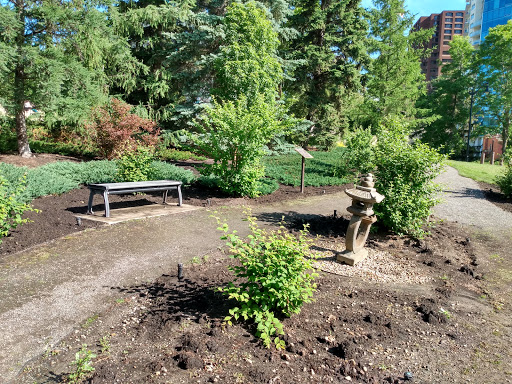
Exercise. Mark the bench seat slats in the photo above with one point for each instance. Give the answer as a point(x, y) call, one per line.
point(106, 189)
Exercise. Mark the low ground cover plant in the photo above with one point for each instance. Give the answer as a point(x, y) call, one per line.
point(63, 176)
point(274, 277)
point(321, 170)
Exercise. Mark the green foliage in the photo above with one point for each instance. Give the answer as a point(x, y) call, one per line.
point(405, 174)
point(63, 176)
point(323, 169)
point(267, 186)
point(11, 206)
point(274, 277)
point(177, 155)
point(136, 165)
point(83, 365)
point(395, 80)
point(234, 136)
point(494, 70)
point(504, 181)
point(449, 101)
point(330, 56)
point(7, 135)
point(247, 63)
point(65, 149)
point(166, 171)
point(359, 158)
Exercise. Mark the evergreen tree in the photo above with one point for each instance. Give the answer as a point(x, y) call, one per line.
point(331, 47)
point(56, 56)
point(494, 63)
point(449, 100)
point(395, 79)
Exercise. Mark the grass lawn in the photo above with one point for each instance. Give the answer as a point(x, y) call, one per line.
point(476, 171)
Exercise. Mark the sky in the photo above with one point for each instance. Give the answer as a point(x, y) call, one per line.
point(426, 7)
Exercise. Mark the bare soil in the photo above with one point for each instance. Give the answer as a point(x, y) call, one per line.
point(452, 327)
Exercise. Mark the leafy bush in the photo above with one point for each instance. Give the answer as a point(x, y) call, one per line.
point(11, 205)
point(136, 165)
point(321, 170)
point(8, 142)
point(360, 158)
point(116, 130)
point(504, 181)
point(405, 174)
point(274, 277)
point(234, 136)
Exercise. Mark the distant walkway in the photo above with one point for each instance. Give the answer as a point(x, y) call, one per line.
point(465, 203)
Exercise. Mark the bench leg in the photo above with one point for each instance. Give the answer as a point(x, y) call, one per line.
point(89, 205)
point(165, 197)
point(180, 198)
point(107, 205)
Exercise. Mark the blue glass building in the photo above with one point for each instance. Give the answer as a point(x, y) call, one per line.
point(496, 12)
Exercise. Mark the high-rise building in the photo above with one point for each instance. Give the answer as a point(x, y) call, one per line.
point(484, 14)
point(446, 25)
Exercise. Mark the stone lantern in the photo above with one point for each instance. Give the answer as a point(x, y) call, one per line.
point(363, 196)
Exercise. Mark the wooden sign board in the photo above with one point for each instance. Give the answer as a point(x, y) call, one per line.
point(303, 153)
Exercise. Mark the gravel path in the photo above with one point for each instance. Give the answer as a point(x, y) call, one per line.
point(465, 203)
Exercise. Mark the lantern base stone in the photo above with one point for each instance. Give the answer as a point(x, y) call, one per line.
point(351, 258)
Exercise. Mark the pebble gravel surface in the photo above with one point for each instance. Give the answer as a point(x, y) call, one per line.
point(465, 203)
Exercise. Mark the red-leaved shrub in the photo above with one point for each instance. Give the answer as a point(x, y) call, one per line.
point(116, 130)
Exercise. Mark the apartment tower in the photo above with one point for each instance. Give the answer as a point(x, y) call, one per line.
point(446, 25)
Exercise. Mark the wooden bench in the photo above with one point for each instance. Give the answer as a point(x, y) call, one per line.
point(131, 187)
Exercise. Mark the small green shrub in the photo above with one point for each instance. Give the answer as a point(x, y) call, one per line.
point(136, 165)
point(504, 181)
point(83, 365)
point(274, 278)
point(8, 142)
point(405, 174)
point(11, 206)
point(234, 134)
point(360, 158)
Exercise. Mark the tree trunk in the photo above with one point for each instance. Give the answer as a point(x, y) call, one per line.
point(19, 87)
point(505, 134)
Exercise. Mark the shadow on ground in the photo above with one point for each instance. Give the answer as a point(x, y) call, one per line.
point(328, 226)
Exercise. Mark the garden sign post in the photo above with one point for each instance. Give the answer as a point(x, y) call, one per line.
point(305, 156)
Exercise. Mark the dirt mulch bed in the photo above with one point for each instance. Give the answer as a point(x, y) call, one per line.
point(357, 330)
point(494, 195)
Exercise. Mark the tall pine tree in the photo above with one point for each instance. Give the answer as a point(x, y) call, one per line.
point(395, 78)
point(57, 56)
point(331, 46)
